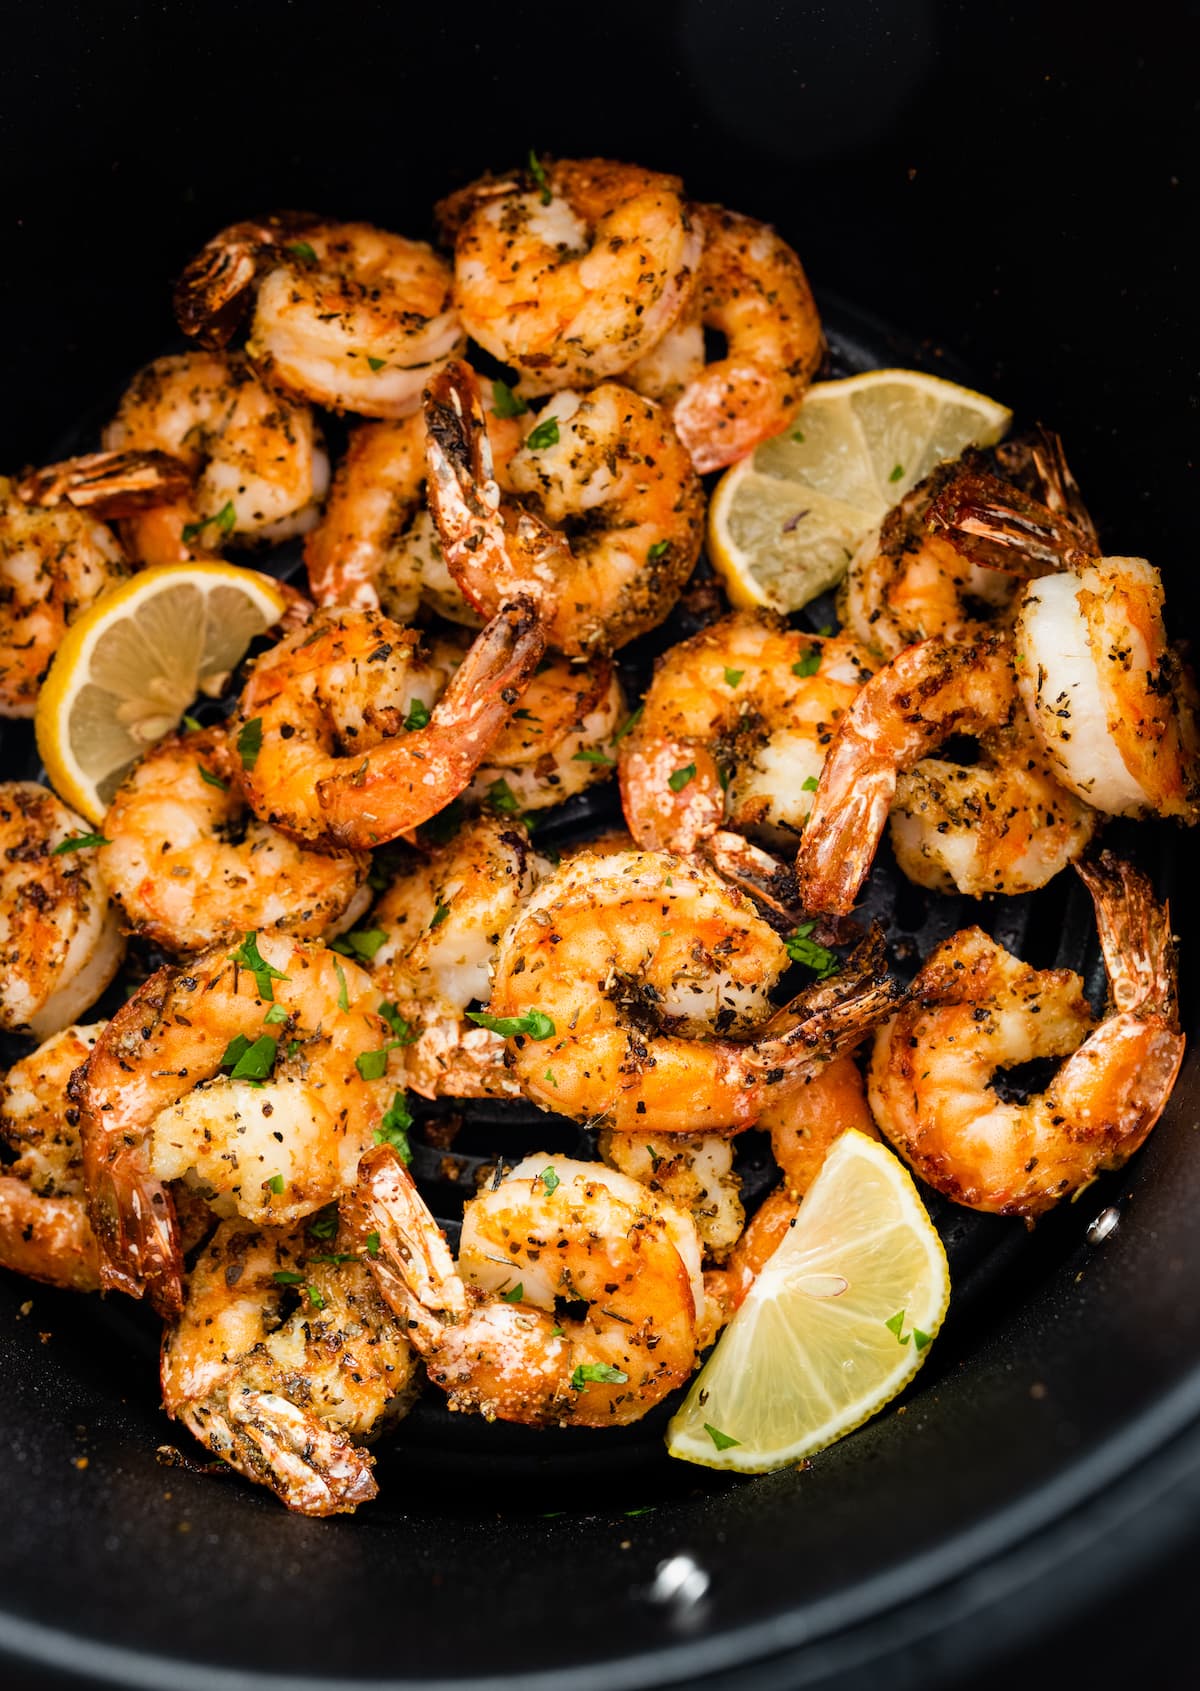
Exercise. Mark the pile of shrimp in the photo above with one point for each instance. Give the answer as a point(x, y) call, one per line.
point(301, 920)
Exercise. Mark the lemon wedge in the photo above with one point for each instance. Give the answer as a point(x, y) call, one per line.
point(132, 664)
point(785, 521)
point(838, 1321)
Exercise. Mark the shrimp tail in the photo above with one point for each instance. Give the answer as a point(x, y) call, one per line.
point(831, 1017)
point(308, 1464)
point(1135, 936)
point(995, 525)
point(1042, 453)
point(405, 1247)
point(214, 292)
point(408, 779)
point(761, 876)
point(109, 484)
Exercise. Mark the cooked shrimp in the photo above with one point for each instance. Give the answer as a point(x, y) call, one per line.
point(283, 1358)
point(920, 699)
point(53, 565)
point(641, 984)
point(571, 275)
point(346, 315)
point(443, 916)
point(752, 290)
point(258, 467)
point(272, 1143)
point(502, 1336)
point(692, 1172)
point(1112, 702)
point(377, 543)
point(356, 747)
point(1000, 825)
point(560, 741)
point(975, 1010)
point(60, 944)
point(44, 1227)
point(608, 524)
point(189, 867)
point(734, 731)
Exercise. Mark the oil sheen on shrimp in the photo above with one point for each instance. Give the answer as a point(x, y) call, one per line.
point(605, 519)
point(240, 1076)
point(189, 866)
point(60, 943)
point(283, 1360)
point(569, 277)
point(501, 1334)
point(976, 1010)
point(644, 980)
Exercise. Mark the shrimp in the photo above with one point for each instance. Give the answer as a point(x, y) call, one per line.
point(693, 1172)
point(345, 315)
point(443, 916)
point(561, 740)
point(752, 290)
point(605, 524)
point(189, 867)
point(273, 1140)
point(355, 747)
point(502, 1336)
point(376, 543)
point(1111, 701)
point(54, 564)
point(639, 984)
point(257, 464)
point(921, 698)
point(60, 943)
point(572, 275)
point(734, 730)
point(975, 1010)
point(282, 1359)
point(44, 1227)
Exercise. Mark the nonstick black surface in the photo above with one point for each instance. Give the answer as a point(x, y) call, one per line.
point(961, 176)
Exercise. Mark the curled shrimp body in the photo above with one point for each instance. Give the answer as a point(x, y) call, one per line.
point(258, 468)
point(282, 1360)
point(560, 741)
point(572, 278)
point(604, 526)
point(189, 866)
point(44, 1227)
point(734, 731)
point(1113, 704)
point(645, 980)
point(692, 1172)
point(54, 563)
point(346, 315)
point(751, 289)
point(443, 916)
point(502, 1336)
point(975, 1010)
point(60, 944)
point(272, 1143)
point(355, 744)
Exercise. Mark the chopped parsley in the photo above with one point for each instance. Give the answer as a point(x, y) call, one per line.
point(224, 521)
point(359, 942)
point(418, 715)
point(211, 780)
point(629, 723)
point(275, 1183)
point(897, 472)
point(372, 1243)
point(393, 1129)
point(538, 171)
point(372, 1065)
point(79, 842)
point(603, 1373)
point(545, 434)
point(249, 742)
point(343, 997)
point(680, 778)
point(921, 1339)
point(376, 364)
point(590, 754)
point(249, 957)
point(250, 1059)
point(501, 797)
point(720, 1439)
point(809, 664)
point(798, 435)
point(535, 1023)
point(894, 1323)
point(809, 784)
point(550, 1181)
point(192, 726)
point(325, 1223)
point(506, 403)
point(275, 1015)
point(439, 916)
point(400, 1026)
point(517, 1293)
point(658, 550)
point(285, 1277)
point(802, 949)
point(301, 249)
point(733, 676)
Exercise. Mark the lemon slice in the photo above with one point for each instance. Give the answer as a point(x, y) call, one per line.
point(838, 1321)
point(132, 664)
point(785, 521)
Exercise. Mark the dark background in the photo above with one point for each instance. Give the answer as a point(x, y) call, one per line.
point(1014, 183)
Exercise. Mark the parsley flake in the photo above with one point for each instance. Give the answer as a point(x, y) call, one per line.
point(275, 1183)
point(79, 842)
point(733, 677)
point(535, 1023)
point(343, 997)
point(501, 797)
point(517, 1293)
point(538, 171)
point(658, 550)
point(439, 916)
point(285, 1277)
point(550, 1181)
point(506, 403)
point(376, 364)
point(802, 949)
point(897, 472)
point(627, 726)
point(680, 778)
point(324, 1224)
point(418, 715)
point(798, 435)
point(275, 1015)
point(359, 942)
point(603, 1373)
point(921, 1339)
point(809, 784)
point(249, 742)
point(315, 1297)
point(224, 521)
point(211, 780)
point(720, 1439)
point(393, 1129)
point(400, 1026)
point(249, 957)
point(545, 434)
point(301, 249)
point(192, 726)
point(250, 1059)
point(809, 664)
point(894, 1323)
point(590, 754)
point(372, 1244)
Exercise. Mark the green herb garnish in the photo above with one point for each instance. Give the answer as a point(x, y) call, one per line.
point(249, 742)
point(249, 957)
point(658, 550)
point(393, 1130)
point(802, 949)
point(733, 676)
point(545, 434)
point(538, 171)
point(506, 403)
point(211, 780)
point(79, 842)
point(225, 520)
point(360, 942)
point(602, 1372)
point(680, 778)
point(535, 1023)
point(809, 664)
point(720, 1439)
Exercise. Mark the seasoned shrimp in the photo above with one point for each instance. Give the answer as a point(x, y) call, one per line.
point(259, 469)
point(975, 1010)
point(502, 1336)
point(355, 746)
point(912, 705)
point(752, 290)
point(60, 943)
point(189, 867)
point(443, 916)
point(44, 1227)
point(54, 564)
point(283, 1359)
point(641, 984)
point(734, 731)
point(560, 742)
point(346, 315)
point(376, 544)
point(693, 1172)
point(605, 525)
point(273, 1140)
point(570, 276)
point(1112, 702)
